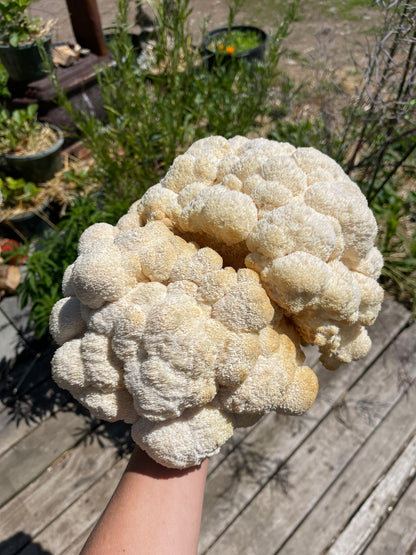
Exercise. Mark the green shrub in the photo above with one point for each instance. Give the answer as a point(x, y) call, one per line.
point(4, 77)
point(48, 259)
point(151, 116)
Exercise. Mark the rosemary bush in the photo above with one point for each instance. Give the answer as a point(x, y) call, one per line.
point(151, 116)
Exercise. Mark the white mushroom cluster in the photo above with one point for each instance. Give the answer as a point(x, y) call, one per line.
point(186, 319)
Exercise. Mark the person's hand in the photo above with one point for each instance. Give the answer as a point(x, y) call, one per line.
point(154, 510)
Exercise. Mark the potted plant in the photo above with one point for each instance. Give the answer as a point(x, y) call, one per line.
point(23, 209)
point(235, 42)
point(22, 39)
point(31, 149)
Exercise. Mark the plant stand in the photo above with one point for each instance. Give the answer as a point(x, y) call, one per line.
point(80, 84)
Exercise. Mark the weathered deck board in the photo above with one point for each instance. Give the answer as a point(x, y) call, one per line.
point(14, 428)
point(367, 520)
point(17, 315)
point(78, 544)
point(54, 491)
point(30, 457)
point(337, 506)
point(250, 466)
point(398, 534)
point(30, 370)
point(289, 495)
point(81, 515)
point(12, 342)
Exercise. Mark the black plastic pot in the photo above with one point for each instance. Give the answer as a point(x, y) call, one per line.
point(212, 58)
point(24, 62)
point(25, 226)
point(38, 167)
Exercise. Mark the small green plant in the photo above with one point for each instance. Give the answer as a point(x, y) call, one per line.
point(234, 41)
point(41, 286)
point(4, 77)
point(17, 191)
point(21, 133)
point(16, 127)
point(16, 27)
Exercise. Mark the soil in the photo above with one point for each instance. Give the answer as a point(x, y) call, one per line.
point(326, 33)
point(40, 140)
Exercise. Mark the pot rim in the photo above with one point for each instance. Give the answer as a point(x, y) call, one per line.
point(25, 45)
point(56, 146)
point(28, 214)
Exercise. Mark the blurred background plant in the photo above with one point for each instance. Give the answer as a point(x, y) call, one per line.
point(16, 26)
point(4, 90)
point(17, 191)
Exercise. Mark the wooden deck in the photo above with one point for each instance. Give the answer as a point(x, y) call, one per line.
point(339, 480)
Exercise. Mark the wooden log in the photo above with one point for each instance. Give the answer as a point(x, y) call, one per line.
point(10, 277)
point(71, 79)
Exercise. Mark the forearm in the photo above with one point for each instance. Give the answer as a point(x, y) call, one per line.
point(154, 510)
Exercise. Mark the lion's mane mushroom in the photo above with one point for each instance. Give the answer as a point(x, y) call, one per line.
point(186, 318)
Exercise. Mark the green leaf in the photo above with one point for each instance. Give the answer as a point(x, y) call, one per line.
point(14, 39)
point(32, 110)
